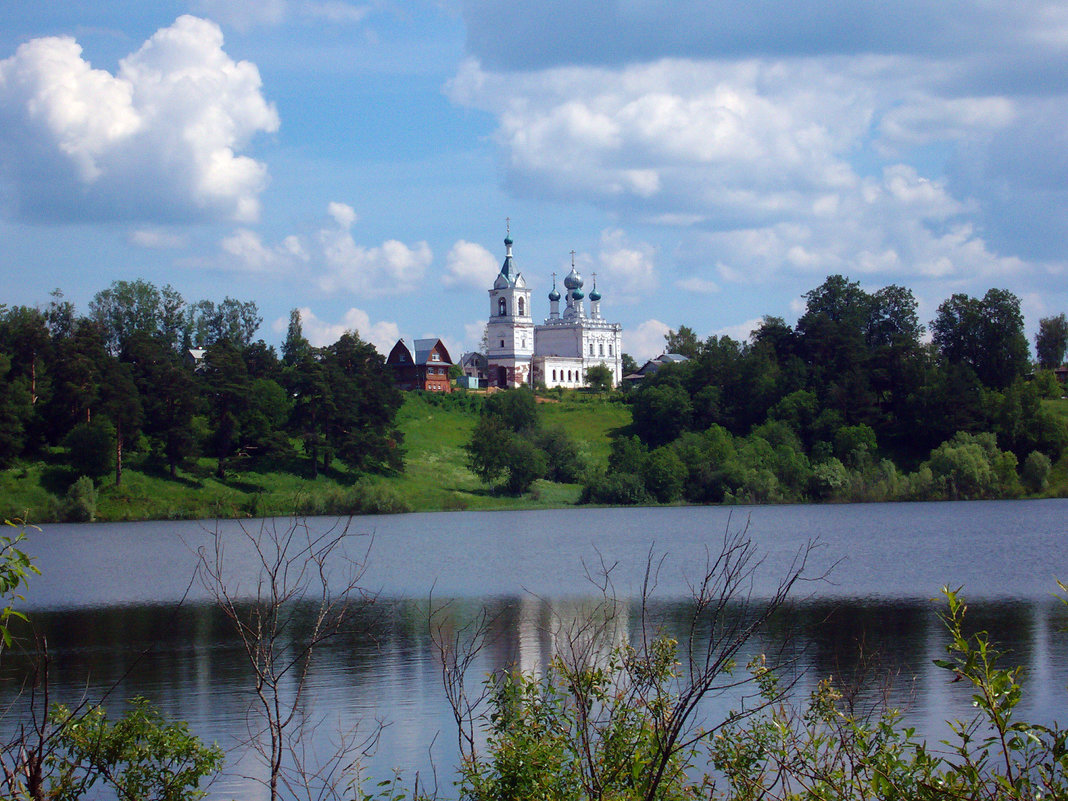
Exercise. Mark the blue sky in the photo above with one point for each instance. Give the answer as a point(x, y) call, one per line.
point(711, 161)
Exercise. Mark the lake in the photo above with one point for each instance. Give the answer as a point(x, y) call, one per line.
point(124, 615)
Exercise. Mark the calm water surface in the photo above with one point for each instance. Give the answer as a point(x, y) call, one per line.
point(120, 607)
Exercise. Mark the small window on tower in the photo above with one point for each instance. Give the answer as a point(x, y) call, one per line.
point(502, 307)
point(520, 307)
point(502, 343)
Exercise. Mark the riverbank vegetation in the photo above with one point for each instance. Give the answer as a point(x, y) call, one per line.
point(851, 404)
point(152, 407)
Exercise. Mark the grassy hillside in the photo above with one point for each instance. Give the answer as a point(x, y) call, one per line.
point(436, 477)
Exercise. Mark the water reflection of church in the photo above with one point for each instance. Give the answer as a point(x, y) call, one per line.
point(557, 352)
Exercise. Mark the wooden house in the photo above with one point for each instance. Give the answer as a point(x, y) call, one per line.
point(426, 368)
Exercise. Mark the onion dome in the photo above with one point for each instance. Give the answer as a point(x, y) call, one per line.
point(577, 294)
point(554, 294)
point(594, 294)
point(573, 280)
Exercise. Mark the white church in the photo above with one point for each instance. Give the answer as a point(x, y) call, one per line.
point(557, 352)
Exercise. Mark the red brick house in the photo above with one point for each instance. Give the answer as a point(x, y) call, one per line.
point(427, 368)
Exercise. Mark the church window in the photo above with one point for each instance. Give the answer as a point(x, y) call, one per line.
point(520, 307)
point(591, 349)
point(609, 350)
point(502, 307)
point(600, 349)
point(568, 375)
point(521, 311)
point(502, 343)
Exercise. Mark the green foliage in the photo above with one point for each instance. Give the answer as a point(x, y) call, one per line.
point(854, 445)
point(985, 334)
point(91, 448)
point(581, 732)
point(1051, 341)
point(828, 749)
point(1047, 385)
point(971, 466)
point(625, 489)
point(501, 457)
point(599, 378)
point(526, 464)
point(15, 567)
point(565, 463)
point(664, 475)
point(1034, 474)
point(662, 411)
point(79, 504)
point(141, 756)
point(516, 408)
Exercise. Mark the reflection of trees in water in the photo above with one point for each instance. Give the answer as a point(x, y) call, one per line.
point(384, 664)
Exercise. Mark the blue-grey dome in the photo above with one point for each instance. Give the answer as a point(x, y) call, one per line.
point(573, 279)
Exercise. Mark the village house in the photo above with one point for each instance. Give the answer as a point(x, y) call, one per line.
point(427, 368)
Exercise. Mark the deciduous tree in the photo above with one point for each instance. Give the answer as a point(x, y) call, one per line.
point(1051, 341)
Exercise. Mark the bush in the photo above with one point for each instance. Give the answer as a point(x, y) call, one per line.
point(562, 452)
point(91, 449)
point(664, 475)
point(1035, 472)
point(79, 504)
point(626, 489)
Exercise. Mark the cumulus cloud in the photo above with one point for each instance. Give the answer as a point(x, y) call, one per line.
point(740, 331)
point(158, 140)
point(626, 267)
point(157, 239)
point(388, 269)
point(675, 138)
point(700, 286)
point(807, 165)
point(473, 334)
point(382, 334)
point(646, 341)
point(469, 265)
point(246, 250)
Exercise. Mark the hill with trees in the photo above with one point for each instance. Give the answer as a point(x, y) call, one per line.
point(849, 404)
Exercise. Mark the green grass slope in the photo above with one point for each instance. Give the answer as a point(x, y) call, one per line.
point(436, 477)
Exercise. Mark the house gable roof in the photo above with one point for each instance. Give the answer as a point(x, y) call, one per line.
point(425, 347)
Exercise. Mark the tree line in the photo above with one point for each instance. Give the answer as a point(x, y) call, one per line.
point(146, 372)
point(851, 403)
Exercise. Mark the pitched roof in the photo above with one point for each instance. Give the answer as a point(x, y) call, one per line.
point(424, 347)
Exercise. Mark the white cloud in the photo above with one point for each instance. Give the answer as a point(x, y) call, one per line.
point(927, 118)
point(809, 165)
point(646, 341)
point(627, 269)
point(473, 335)
point(157, 239)
point(740, 331)
point(470, 266)
point(383, 334)
point(388, 269)
point(344, 215)
point(247, 251)
point(160, 139)
point(701, 286)
point(675, 138)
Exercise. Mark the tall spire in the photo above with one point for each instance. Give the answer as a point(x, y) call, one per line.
point(507, 268)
